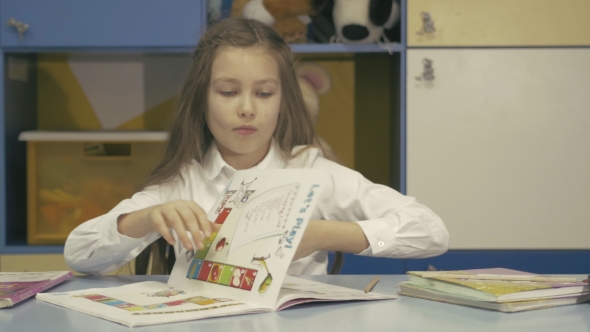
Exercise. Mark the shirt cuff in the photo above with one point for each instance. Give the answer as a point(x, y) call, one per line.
point(378, 234)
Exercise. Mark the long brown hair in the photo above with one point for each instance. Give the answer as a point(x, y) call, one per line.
point(189, 135)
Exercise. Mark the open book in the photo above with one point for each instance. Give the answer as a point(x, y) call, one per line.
point(18, 286)
point(495, 289)
point(263, 214)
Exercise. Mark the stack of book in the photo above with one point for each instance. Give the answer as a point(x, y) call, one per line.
point(495, 289)
point(19, 286)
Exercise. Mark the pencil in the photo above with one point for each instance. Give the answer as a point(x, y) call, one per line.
point(371, 284)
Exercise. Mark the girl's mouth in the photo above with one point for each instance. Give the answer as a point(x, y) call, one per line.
point(245, 130)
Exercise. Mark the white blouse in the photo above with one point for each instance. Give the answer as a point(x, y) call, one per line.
point(396, 226)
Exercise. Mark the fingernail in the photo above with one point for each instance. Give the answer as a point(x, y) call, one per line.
point(207, 233)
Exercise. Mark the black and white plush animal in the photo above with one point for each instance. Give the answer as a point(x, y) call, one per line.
point(364, 21)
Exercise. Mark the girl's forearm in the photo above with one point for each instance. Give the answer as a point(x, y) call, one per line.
point(134, 224)
point(342, 236)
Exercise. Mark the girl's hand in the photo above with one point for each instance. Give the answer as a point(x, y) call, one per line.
point(181, 216)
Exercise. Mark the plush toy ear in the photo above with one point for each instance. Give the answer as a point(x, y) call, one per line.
point(393, 17)
point(255, 10)
point(317, 76)
point(310, 97)
point(380, 11)
point(237, 7)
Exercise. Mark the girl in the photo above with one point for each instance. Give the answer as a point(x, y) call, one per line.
point(241, 107)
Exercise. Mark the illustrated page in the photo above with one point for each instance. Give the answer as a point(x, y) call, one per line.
point(263, 214)
point(147, 303)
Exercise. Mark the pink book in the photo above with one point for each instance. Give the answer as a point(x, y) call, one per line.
point(18, 286)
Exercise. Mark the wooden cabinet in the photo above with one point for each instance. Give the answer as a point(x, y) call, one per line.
point(134, 29)
point(498, 23)
point(49, 85)
point(497, 145)
point(105, 23)
point(496, 136)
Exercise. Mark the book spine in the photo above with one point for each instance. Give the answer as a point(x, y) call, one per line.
point(28, 292)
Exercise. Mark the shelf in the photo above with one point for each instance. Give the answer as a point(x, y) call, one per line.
point(345, 48)
point(101, 50)
point(102, 136)
point(31, 249)
point(106, 23)
point(297, 48)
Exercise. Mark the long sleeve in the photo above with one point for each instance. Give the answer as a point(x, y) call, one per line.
point(97, 247)
point(394, 224)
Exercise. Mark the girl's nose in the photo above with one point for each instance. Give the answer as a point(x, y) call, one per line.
point(247, 110)
point(246, 113)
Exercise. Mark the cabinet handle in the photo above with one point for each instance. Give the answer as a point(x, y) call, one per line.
point(20, 27)
point(427, 24)
point(428, 71)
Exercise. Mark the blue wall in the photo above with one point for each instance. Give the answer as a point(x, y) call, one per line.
point(536, 261)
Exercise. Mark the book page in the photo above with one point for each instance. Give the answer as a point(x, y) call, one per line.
point(263, 214)
point(147, 303)
point(297, 290)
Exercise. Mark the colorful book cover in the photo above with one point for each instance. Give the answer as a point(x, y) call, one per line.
point(495, 289)
point(407, 289)
point(18, 286)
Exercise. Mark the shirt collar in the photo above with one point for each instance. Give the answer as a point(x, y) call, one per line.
point(213, 163)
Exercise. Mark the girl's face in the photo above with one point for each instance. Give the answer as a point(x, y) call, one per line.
point(244, 102)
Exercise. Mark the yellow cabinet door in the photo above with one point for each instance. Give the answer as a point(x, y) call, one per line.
point(498, 144)
point(498, 23)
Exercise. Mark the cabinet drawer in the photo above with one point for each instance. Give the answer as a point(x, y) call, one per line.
point(105, 23)
point(74, 177)
point(497, 145)
point(499, 23)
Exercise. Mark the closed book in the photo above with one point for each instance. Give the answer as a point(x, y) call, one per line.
point(407, 289)
point(495, 290)
point(18, 286)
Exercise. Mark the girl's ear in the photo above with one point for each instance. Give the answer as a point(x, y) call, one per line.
point(317, 76)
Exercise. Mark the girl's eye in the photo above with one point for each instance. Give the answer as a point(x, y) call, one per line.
point(228, 93)
point(264, 94)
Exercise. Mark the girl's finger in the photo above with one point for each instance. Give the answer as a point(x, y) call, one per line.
point(165, 232)
point(191, 224)
point(204, 222)
point(174, 221)
point(215, 227)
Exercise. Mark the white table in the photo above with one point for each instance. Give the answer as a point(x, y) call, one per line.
point(402, 314)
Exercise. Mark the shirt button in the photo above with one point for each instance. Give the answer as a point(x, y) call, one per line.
point(381, 243)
